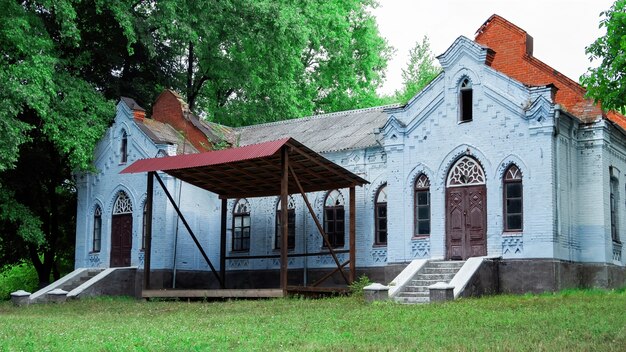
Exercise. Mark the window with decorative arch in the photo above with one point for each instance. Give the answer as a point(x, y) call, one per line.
point(334, 218)
point(291, 224)
point(465, 172)
point(380, 216)
point(122, 205)
point(241, 226)
point(422, 206)
point(124, 148)
point(465, 101)
point(97, 230)
point(513, 197)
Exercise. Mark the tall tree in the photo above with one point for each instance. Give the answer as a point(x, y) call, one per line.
point(607, 82)
point(56, 84)
point(64, 62)
point(420, 70)
point(264, 60)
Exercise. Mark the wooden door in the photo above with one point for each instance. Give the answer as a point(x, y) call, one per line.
point(466, 222)
point(121, 239)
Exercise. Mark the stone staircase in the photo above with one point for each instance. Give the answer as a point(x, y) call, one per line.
point(79, 280)
point(416, 291)
point(67, 284)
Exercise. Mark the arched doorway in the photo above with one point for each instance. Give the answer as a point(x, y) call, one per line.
point(466, 210)
point(121, 231)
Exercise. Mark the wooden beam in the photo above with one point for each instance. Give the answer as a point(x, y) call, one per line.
point(352, 234)
point(148, 245)
point(189, 230)
point(221, 293)
point(318, 224)
point(284, 189)
point(223, 242)
point(337, 269)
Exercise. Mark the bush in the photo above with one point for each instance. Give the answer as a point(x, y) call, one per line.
point(356, 288)
point(21, 276)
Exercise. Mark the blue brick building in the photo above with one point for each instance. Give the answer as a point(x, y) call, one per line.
point(482, 162)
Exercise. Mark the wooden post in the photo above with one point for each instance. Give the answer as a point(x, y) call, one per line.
point(352, 234)
point(284, 193)
point(223, 243)
point(148, 245)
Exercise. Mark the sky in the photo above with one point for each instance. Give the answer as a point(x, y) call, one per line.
point(561, 29)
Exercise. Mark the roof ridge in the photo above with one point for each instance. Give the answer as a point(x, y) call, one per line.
point(320, 116)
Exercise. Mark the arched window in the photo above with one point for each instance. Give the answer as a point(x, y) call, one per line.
point(334, 216)
point(422, 206)
point(291, 224)
point(122, 204)
point(97, 230)
point(513, 199)
point(614, 209)
point(124, 148)
point(143, 227)
point(465, 101)
point(380, 216)
point(241, 225)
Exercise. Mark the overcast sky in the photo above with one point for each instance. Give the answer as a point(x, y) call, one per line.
point(561, 28)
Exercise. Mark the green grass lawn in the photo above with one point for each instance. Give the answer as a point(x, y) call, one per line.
point(574, 320)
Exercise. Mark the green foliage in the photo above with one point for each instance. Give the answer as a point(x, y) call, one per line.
point(265, 60)
point(420, 70)
point(356, 288)
point(21, 276)
point(607, 83)
point(574, 322)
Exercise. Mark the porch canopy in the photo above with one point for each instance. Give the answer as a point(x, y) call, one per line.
point(274, 168)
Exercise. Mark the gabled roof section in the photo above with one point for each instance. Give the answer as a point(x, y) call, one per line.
point(252, 171)
point(132, 104)
point(323, 133)
point(513, 56)
point(464, 46)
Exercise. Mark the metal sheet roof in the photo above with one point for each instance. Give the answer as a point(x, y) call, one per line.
point(253, 170)
point(323, 133)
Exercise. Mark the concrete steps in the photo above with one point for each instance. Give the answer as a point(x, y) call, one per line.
point(66, 283)
point(416, 291)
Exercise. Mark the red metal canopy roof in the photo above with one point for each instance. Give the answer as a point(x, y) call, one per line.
point(253, 170)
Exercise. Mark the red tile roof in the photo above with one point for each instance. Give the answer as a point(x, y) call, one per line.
point(513, 56)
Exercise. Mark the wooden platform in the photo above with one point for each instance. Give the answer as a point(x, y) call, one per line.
point(217, 293)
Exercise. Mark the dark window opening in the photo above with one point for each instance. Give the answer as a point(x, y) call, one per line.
point(466, 101)
point(613, 205)
point(124, 148)
point(97, 230)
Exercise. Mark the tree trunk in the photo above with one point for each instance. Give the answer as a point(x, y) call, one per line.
point(191, 96)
